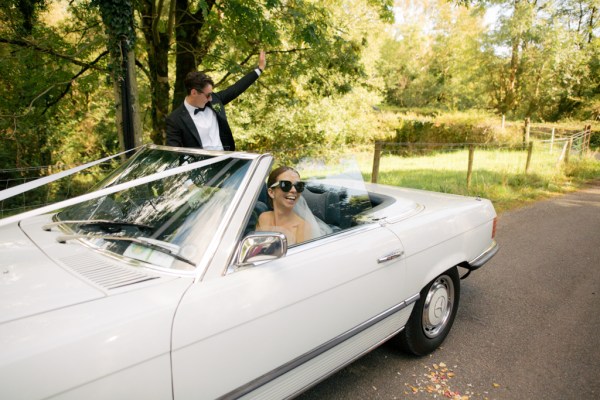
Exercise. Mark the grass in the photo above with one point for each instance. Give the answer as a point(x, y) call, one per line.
point(498, 175)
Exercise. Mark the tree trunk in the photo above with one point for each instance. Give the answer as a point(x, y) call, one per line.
point(510, 95)
point(187, 56)
point(511, 86)
point(129, 125)
point(118, 20)
point(157, 47)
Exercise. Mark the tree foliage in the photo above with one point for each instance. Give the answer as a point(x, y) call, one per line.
point(47, 78)
point(538, 59)
point(305, 40)
point(59, 74)
point(329, 63)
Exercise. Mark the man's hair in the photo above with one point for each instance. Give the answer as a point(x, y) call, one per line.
point(197, 80)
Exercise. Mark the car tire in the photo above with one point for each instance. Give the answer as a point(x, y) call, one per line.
point(432, 316)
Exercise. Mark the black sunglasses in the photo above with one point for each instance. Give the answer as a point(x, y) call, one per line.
point(200, 91)
point(286, 186)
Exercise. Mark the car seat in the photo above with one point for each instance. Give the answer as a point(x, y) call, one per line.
point(325, 206)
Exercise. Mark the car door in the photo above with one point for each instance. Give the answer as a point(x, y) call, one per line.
point(238, 332)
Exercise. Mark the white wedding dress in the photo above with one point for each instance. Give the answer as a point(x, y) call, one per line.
point(315, 227)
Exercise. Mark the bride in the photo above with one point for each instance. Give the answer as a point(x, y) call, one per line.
point(291, 215)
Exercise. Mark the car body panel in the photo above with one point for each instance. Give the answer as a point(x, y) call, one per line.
point(89, 341)
point(438, 238)
point(83, 318)
point(324, 364)
point(30, 283)
point(268, 304)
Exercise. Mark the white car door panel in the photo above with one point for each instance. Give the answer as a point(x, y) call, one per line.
point(233, 329)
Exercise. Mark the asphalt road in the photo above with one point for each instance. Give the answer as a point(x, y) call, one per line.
point(528, 325)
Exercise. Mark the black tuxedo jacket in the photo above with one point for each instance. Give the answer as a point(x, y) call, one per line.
point(181, 130)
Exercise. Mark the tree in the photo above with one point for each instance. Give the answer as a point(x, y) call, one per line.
point(157, 19)
point(117, 16)
point(315, 52)
point(224, 37)
point(51, 104)
point(541, 57)
point(433, 60)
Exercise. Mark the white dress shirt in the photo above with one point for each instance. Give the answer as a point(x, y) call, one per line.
point(207, 126)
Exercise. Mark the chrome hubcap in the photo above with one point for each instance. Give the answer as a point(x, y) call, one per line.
point(438, 306)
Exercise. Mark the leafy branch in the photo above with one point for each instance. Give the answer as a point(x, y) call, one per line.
point(32, 45)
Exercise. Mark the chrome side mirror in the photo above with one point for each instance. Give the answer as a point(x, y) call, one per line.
point(261, 246)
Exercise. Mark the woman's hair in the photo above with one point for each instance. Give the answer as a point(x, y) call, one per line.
point(273, 178)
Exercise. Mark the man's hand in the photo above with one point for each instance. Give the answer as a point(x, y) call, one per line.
point(262, 60)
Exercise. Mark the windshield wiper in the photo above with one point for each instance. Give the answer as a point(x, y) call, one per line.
point(102, 223)
point(158, 245)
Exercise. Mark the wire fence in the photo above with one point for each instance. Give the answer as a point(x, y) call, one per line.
point(472, 168)
point(463, 168)
point(576, 144)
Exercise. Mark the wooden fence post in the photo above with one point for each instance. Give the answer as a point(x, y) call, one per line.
point(529, 152)
point(569, 145)
point(526, 130)
point(552, 140)
point(470, 167)
point(376, 158)
point(587, 138)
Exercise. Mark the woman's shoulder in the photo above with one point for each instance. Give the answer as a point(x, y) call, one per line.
point(298, 219)
point(265, 216)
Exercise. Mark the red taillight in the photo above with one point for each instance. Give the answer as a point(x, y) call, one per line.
point(494, 227)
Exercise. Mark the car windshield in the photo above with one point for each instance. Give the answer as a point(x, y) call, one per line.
point(167, 212)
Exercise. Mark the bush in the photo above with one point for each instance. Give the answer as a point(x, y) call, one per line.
point(466, 127)
point(319, 128)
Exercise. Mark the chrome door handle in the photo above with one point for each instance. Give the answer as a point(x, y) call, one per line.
point(391, 256)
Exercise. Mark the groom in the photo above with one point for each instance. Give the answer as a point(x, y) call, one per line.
point(201, 121)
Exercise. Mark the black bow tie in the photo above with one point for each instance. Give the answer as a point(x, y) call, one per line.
point(197, 110)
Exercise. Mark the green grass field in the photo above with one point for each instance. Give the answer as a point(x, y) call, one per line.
point(498, 175)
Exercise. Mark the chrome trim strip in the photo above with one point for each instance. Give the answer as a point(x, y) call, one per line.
point(350, 361)
point(332, 237)
point(408, 214)
point(484, 257)
point(234, 248)
point(226, 221)
point(289, 366)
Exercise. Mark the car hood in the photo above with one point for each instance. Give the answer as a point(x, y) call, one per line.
point(31, 283)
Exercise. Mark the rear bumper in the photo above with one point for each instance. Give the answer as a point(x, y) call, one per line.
point(484, 257)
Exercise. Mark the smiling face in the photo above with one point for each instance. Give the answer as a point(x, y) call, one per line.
point(285, 200)
point(199, 98)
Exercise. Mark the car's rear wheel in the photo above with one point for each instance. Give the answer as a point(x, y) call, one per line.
point(432, 315)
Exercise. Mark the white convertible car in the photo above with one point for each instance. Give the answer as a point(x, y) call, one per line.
point(156, 285)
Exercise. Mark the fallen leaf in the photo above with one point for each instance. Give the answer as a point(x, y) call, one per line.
point(495, 385)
